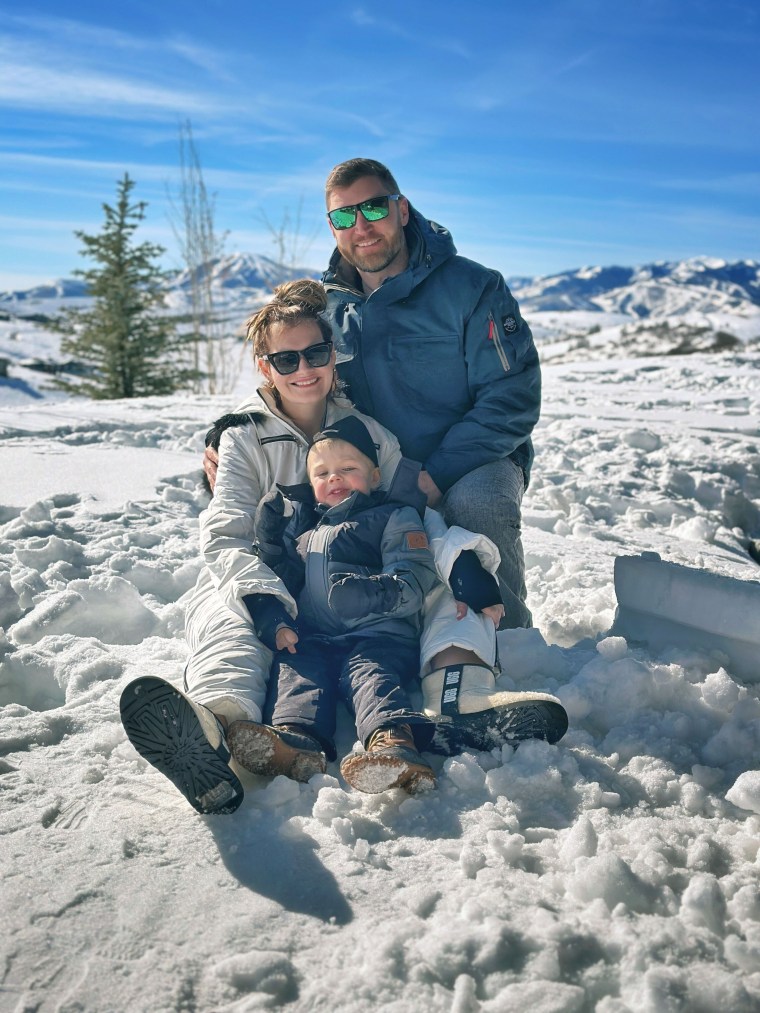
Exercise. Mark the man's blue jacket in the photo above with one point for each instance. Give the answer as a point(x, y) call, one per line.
point(440, 355)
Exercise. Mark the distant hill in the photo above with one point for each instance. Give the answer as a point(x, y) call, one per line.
point(667, 308)
point(662, 289)
point(63, 288)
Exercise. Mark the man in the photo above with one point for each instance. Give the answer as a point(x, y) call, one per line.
point(433, 346)
point(435, 349)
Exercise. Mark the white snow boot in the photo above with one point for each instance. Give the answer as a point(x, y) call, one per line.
point(471, 713)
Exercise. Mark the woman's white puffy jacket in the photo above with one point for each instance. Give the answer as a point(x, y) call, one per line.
point(263, 449)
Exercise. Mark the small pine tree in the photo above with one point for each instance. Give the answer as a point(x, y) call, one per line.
point(126, 347)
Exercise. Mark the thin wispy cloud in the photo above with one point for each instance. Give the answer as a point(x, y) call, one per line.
point(224, 181)
point(31, 224)
point(517, 77)
point(41, 85)
point(744, 184)
point(363, 19)
point(34, 86)
point(215, 63)
point(101, 43)
point(68, 32)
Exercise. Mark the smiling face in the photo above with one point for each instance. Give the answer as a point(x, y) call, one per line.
point(309, 385)
point(336, 469)
point(376, 249)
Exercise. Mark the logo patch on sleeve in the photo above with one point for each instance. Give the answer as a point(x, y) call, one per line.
point(416, 540)
point(509, 324)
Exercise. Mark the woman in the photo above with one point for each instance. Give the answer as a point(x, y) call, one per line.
point(191, 739)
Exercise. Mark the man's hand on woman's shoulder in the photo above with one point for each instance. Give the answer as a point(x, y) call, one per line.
point(210, 465)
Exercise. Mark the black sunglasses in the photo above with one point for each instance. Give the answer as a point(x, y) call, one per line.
point(374, 210)
point(287, 362)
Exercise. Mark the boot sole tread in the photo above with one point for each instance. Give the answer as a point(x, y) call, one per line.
point(537, 719)
point(162, 725)
point(373, 773)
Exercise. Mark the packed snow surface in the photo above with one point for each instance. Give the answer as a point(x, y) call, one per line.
point(615, 871)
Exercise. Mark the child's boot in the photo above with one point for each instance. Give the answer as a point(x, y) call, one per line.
point(390, 760)
point(285, 749)
point(471, 713)
point(184, 740)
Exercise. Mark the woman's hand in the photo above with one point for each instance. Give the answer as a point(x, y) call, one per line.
point(461, 609)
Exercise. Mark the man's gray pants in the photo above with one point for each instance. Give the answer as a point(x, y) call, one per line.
point(488, 500)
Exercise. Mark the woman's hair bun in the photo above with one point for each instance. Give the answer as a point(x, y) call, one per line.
point(302, 292)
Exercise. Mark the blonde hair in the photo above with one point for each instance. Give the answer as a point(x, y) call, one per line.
point(294, 302)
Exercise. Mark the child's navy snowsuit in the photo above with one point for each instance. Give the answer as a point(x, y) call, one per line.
point(363, 661)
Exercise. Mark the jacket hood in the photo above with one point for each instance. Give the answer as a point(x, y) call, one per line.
point(429, 245)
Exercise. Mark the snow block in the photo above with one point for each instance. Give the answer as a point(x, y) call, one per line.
point(666, 604)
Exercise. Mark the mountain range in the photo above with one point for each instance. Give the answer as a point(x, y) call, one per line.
point(700, 284)
point(699, 304)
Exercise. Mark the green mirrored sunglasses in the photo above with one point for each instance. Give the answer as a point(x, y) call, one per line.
point(374, 209)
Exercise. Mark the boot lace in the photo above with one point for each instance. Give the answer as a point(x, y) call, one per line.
point(386, 738)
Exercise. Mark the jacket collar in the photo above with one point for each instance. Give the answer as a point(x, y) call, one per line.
point(355, 503)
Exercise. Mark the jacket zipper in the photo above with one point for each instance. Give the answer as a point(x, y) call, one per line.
point(318, 574)
point(493, 335)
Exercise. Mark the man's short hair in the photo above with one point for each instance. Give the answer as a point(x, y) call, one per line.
point(347, 173)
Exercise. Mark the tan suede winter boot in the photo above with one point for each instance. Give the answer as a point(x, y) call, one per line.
point(390, 760)
point(471, 713)
point(262, 749)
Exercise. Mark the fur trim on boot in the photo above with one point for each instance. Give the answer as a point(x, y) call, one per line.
point(471, 713)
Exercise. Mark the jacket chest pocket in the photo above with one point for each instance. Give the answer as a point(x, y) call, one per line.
point(426, 349)
point(430, 372)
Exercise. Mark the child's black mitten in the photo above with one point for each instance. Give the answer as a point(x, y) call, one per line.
point(473, 585)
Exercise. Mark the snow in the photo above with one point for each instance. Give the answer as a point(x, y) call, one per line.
point(615, 871)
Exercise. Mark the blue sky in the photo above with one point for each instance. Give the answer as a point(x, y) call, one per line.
point(572, 132)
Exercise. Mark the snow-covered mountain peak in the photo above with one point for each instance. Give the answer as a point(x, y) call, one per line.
point(243, 271)
point(697, 285)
